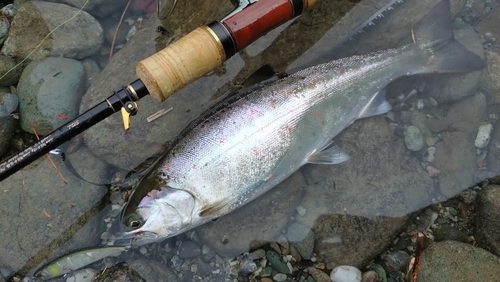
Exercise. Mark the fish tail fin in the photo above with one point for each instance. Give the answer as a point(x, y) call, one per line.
point(435, 38)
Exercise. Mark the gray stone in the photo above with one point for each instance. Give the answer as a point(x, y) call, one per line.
point(446, 88)
point(189, 249)
point(257, 222)
point(493, 157)
point(455, 261)
point(8, 126)
point(414, 140)
point(78, 38)
point(355, 208)
point(49, 93)
point(455, 158)
point(98, 8)
point(487, 219)
point(302, 238)
point(4, 29)
point(109, 26)
point(40, 212)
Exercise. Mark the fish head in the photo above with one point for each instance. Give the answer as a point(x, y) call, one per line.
point(162, 213)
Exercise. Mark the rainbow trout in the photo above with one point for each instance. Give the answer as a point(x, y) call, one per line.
point(256, 140)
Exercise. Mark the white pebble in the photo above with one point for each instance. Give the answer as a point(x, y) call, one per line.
point(280, 277)
point(345, 273)
point(301, 210)
point(143, 250)
point(483, 135)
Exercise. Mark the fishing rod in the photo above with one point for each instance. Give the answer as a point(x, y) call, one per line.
point(169, 70)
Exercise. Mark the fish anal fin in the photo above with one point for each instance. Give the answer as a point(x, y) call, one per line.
point(376, 106)
point(214, 208)
point(329, 155)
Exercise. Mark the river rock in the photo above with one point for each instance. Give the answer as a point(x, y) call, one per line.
point(447, 88)
point(257, 222)
point(493, 157)
point(414, 140)
point(78, 38)
point(302, 238)
point(455, 261)
point(49, 93)
point(8, 126)
point(99, 8)
point(491, 78)
point(348, 204)
point(9, 75)
point(40, 212)
point(483, 135)
point(487, 219)
point(4, 29)
point(456, 160)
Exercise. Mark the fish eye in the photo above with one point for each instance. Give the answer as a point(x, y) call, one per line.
point(135, 223)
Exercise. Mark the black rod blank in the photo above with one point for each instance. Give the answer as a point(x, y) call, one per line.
point(133, 92)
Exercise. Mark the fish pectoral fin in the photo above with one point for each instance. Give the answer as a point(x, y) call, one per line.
point(378, 105)
point(329, 155)
point(214, 208)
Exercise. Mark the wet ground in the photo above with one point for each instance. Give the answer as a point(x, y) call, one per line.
point(363, 213)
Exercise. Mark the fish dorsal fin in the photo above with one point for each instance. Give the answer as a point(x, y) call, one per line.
point(378, 105)
point(329, 155)
point(214, 208)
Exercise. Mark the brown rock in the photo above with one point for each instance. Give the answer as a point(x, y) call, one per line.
point(319, 275)
point(488, 219)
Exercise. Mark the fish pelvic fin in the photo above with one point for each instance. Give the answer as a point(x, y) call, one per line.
point(377, 106)
point(329, 155)
point(213, 209)
point(434, 37)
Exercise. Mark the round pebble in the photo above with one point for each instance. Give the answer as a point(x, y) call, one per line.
point(189, 249)
point(483, 135)
point(143, 250)
point(280, 277)
point(414, 139)
point(345, 273)
point(8, 104)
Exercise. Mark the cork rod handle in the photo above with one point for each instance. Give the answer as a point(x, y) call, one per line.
point(181, 63)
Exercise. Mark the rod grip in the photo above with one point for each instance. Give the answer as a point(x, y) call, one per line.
point(180, 63)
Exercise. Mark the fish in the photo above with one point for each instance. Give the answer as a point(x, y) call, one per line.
point(255, 140)
point(76, 260)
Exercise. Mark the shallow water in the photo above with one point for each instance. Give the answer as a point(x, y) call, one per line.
point(358, 210)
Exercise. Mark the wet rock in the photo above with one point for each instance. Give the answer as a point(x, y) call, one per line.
point(302, 238)
point(109, 26)
point(456, 160)
point(152, 270)
point(487, 219)
point(446, 232)
point(455, 261)
point(49, 93)
point(120, 272)
point(256, 223)
point(8, 126)
point(419, 119)
point(318, 275)
point(4, 29)
point(369, 276)
point(92, 70)
point(345, 273)
point(11, 78)
point(40, 212)
point(493, 157)
point(8, 104)
point(491, 79)
point(414, 140)
point(275, 260)
point(78, 38)
point(348, 204)
point(447, 88)
point(465, 116)
point(398, 260)
point(99, 8)
point(189, 249)
point(483, 135)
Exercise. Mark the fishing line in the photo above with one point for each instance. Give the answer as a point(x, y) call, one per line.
point(47, 36)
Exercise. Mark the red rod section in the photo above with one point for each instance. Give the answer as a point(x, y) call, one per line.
point(257, 19)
